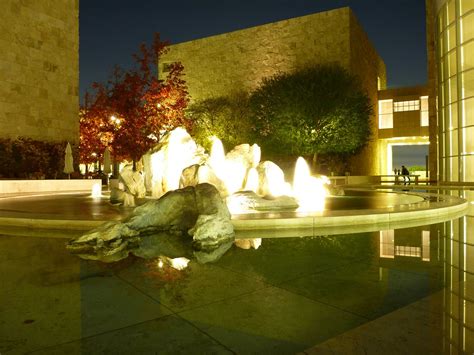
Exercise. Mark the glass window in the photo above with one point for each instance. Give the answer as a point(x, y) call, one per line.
point(467, 28)
point(452, 92)
point(424, 112)
point(469, 173)
point(468, 114)
point(451, 13)
point(467, 55)
point(454, 169)
point(441, 19)
point(466, 5)
point(385, 114)
point(452, 64)
point(454, 142)
point(440, 45)
point(442, 89)
point(453, 116)
point(441, 69)
point(412, 105)
point(451, 37)
point(440, 119)
point(468, 83)
point(468, 143)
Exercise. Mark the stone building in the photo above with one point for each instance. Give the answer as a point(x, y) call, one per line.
point(221, 64)
point(39, 69)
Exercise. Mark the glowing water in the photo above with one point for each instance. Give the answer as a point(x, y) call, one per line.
point(236, 172)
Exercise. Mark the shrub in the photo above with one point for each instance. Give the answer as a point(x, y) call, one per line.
point(26, 158)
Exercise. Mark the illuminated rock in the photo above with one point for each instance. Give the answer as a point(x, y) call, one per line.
point(176, 151)
point(272, 180)
point(247, 201)
point(212, 235)
point(200, 174)
point(110, 242)
point(130, 185)
point(248, 154)
point(197, 211)
point(248, 243)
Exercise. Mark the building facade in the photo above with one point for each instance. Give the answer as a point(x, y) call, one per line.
point(239, 60)
point(454, 65)
point(39, 69)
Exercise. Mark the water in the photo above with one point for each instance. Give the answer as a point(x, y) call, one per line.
point(406, 290)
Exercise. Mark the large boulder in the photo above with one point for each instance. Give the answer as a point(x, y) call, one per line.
point(176, 151)
point(157, 226)
point(272, 180)
point(200, 174)
point(111, 241)
point(176, 210)
point(248, 155)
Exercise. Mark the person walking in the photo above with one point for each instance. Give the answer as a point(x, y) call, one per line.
point(406, 175)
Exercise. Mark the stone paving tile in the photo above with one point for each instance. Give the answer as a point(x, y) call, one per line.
point(46, 298)
point(271, 321)
point(364, 289)
point(166, 335)
point(278, 260)
point(409, 330)
point(192, 287)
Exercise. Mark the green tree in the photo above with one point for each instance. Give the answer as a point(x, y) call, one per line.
point(316, 110)
point(226, 117)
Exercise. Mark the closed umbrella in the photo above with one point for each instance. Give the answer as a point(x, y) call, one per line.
point(107, 161)
point(68, 163)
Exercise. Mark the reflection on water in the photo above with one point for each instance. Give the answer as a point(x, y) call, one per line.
point(329, 284)
point(459, 281)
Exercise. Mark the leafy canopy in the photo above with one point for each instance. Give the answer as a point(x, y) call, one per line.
point(226, 117)
point(134, 108)
point(320, 109)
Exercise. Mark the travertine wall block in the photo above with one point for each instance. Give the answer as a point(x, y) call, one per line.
point(239, 60)
point(39, 69)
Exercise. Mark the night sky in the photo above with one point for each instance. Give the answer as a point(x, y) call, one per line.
point(111, 30)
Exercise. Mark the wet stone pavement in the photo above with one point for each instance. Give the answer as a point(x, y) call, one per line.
point(286, 297)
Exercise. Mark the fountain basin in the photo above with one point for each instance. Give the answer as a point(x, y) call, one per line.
point(359, 211)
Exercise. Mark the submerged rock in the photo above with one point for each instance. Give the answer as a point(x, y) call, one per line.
point(248, 243)
point(109, 242)
point(156, 227)
point(248, 200)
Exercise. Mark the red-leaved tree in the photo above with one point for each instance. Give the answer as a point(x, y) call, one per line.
point(134, 108)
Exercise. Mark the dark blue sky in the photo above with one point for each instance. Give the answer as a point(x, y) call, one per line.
point(111, 30)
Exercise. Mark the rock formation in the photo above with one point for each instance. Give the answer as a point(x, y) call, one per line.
point(155, 227)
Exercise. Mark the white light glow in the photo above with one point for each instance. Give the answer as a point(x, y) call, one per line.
point(252, 180)
point(239, 170)
point(309, 191)
point(96, 190)
point(179, 263)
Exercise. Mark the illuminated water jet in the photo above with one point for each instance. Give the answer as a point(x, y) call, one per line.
point(239, 170)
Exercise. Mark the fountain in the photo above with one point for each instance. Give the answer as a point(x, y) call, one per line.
point(189, 187)
point(180, 162)
point(197, 194)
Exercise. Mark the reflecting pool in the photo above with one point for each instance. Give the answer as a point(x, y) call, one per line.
point(401, 291)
